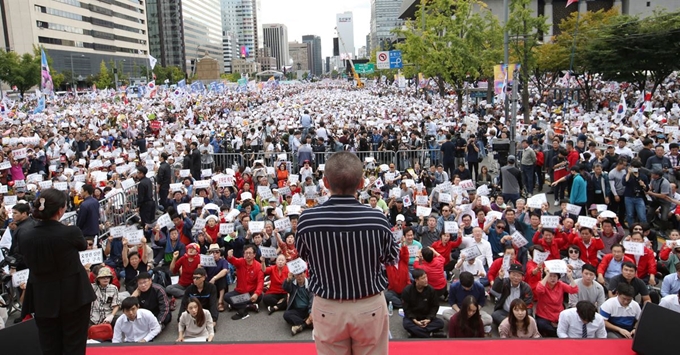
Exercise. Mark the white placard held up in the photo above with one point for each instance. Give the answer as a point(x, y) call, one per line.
point(10, 200)
point(588, 222)
point(466, 184)
point(450, 227)
point(422, 211)
point(556, 266)
point(165, 221)
point(201, 184)
point(268, 252)
point(18, 154)
point(573, 209)
point(5, 165)
point(226, 228)
point(264, 192)
point(206, 173)
point(634, 248)
point(507, 261)
point(256, 227)
point(184, 208)
point(135, 238)
point(61, 186)
point(92, 257)
point(197, 202)
point(176, 187)
point(495, 215)
point(550, 221)
point(297, 266)
point(397, 235)
point(20, 277)
point(540, 256)
point(471, 252)
point(407, 201)
point(117, 232)
point(444, 197)
point(246, 196)
point(3, 189)
point(284, 190)
point(518, 239)
point(127, 183)
point(422, 200)
point(184, 173)
point(282, 224)
point(208, 261)
point(413, 250)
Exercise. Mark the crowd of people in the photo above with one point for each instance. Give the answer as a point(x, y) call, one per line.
point(214, 185)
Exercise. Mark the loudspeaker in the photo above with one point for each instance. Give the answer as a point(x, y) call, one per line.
point(656, 331)
point(21, 338)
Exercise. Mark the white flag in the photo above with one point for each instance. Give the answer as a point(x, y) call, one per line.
point(621, 109)
point(152, 61)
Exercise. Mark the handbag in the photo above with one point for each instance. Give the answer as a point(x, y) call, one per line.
point(100, 332)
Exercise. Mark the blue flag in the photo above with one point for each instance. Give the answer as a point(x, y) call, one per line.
point(182, 84)
point(41, 105)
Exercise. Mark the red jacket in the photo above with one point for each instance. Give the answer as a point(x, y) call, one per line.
point(550, 301)
point(604, 264)
point(554, 247)
point(434, 270)
point(250, 277)
point(530, 278)
point(495, 268)
point(276, 285)
point(646, 264)
point(665, 253)
point(399, 277)
point(445, 250)
point(188, 268)
point(589, 254)
point(566, 236)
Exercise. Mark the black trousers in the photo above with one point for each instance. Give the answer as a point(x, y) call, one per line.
point(295, 316)
point(66, 334)
point(274, 299)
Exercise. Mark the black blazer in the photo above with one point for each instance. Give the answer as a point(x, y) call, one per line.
point(57, 283)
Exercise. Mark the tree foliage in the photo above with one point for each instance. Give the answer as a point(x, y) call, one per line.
point(453, 44)
point(22, 71)
point(103, 79)
point(173, 74)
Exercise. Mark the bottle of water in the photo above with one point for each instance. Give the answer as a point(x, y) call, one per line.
point(390, 309)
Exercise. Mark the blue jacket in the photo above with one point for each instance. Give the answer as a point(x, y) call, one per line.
point(457, 293)
point(578, 193)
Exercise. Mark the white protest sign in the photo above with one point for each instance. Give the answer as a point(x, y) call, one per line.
point(409, 182)
point(18, 154)
point(322, 199)
point(293, 178)
point(534, 203)
point(601, 208)
point(540, 256)
point(256, 227)
point(413, 250)
point(117, 232)
point(165, 221)
point(519, 240)
point(282, 224)
point(444, 198)
point(61, 186)
point(206, 173)
point(284, 190)
point(422, 211)
point(242, 298)
point(127, 183)
point(634, 248)
point(134, 238)
point(450, 227)
point(588, 222)
point(422, 200)
point(310, 191)
point(200, 223)
point(297, 266)
point(466, 184)
point(483, 190)
point(268, 252)
point(494, 215)
point(79, 178)
point(389, 176)
point(556, 266)
point(208, 261)
point(397, 235)
point(573, 209)
point(264, 192)
point(293, 210)
point(298, 200)
point(184, 208)
point(20, 277)
point(225, 180)
point(5, 165)
point(608, 214)
point(484, 201)
point(92, 257)
point(246, 196)
point(201, 184)
point(550, 221)
point(176, 187)
point(471, 252)
point(184, 173)
point(226, 228)
point(507, 260)
point(10, 200)
point(3, 189)
point(197, 202)
point(395, 192)
point(19, 183)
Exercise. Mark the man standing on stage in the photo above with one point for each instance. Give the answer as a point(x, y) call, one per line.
point(346, 245)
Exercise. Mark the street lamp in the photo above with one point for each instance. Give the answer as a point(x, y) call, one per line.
point(74, 85)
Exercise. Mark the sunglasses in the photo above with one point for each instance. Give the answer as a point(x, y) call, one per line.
point(446, 210)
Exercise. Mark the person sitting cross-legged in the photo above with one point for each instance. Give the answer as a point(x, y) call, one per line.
point(152, 297)
point(203, 291)
point(420, 308)
point(467, 323)
point(459, 290)
point(507, 290)
point(249, 280)
point(195, 322)
point(299, 309)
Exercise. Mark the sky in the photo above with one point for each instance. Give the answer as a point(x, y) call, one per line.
point(317, 17)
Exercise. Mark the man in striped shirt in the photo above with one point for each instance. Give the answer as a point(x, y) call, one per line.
point(346, 246)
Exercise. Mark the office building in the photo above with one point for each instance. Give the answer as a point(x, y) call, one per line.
point(166, 32)
point(244, 67)
point(275, 36)
point(317, 61)
point(230, 49)
point(327, 66)
point(265, 59)
point(384, 19)
point(239, 18)
point(345, 28)
point(78, 35)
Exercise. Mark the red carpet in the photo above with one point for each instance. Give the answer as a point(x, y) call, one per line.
point(541, 346)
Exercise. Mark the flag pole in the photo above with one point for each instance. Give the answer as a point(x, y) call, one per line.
point(571, 57)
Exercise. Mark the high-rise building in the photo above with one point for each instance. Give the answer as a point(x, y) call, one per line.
point(345, 28)
point(275, 37)
point(230, 49)
point(317, 61)
point(300, 55)
point(182, 31)
point(239, 17)
point(384, 19)
point(327, 66)
point(78, 35)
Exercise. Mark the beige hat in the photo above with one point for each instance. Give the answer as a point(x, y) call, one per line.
point(214, 247)
point(104, 272)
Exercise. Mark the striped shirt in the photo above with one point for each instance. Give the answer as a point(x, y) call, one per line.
point(346, 246)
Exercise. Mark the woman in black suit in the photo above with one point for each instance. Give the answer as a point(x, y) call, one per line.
point(58, 291)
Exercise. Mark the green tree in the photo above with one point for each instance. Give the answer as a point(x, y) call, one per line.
point(638, 51)
point(22, 71)
point(103, 78)
point(334, 74)
point(525, 31)
point(455, 44)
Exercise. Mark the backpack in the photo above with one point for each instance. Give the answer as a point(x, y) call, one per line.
point(540, 158)
point(161, 277)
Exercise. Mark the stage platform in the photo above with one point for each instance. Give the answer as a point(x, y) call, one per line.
point(402, 347)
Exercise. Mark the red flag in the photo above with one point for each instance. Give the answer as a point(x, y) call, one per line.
point(569, 2)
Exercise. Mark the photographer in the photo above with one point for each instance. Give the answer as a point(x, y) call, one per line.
point(472, 155)
point(634, 194)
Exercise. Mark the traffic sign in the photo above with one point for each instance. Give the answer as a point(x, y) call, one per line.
point(368, 68)
point(395, 60)
point(382, 60)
